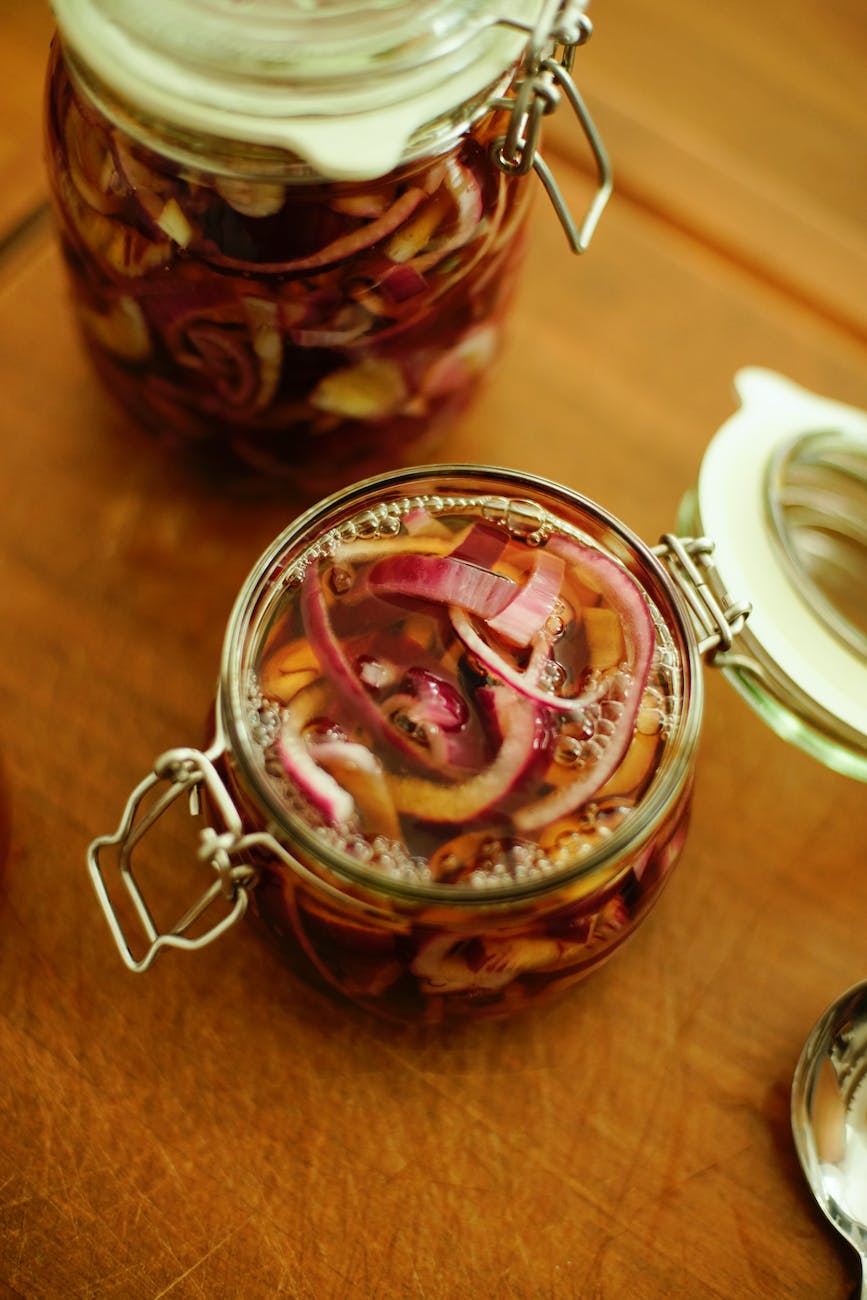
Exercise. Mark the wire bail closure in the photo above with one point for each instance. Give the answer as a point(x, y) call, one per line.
point(561, 28)
point(186, 771)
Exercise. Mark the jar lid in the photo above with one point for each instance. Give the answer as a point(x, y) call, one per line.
point(783, 492)
point(344, 86)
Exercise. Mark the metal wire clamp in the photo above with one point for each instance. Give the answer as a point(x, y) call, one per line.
point(561, 28)
point(186, 771)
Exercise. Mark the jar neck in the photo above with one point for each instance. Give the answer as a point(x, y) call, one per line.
point(351, 96)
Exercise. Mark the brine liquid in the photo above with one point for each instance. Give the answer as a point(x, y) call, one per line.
point(454, 763)
point(309, 330)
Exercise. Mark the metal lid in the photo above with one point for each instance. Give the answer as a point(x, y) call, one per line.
point(783, 492)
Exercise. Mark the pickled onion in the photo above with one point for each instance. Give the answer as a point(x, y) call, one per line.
point(565, 799)
point(483, 544)
point(451, 750)
point(313, 781)
point(444, 580)
point(626, 599)
point(532, 604)
point(518, 723)
point(524, 681)
point(622, 593)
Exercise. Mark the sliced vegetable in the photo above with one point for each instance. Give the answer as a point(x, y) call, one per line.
point(621, 590)
point(603, 633)
point(443, 580)
point(385, 311)
point(482, 544)
point(335, 803)
point(369, 390)
point(431, 801)
point(529, 609)
point(364, 780)
point(418, 740)
point(439, 701)
point(525, 681)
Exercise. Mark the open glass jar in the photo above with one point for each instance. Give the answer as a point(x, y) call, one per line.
point(455, 742)
point(292, 231)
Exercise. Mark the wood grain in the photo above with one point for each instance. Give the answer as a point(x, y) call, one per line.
point(743, 126)
point(215, 1128)
point(25, 32)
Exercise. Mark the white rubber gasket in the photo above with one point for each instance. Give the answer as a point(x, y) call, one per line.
point(731, 502)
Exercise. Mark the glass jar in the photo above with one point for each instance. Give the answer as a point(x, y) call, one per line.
point(292, 231)
point(783, 491)
point(454, 745)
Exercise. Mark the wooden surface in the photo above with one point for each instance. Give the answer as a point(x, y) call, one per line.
point(214, 1129)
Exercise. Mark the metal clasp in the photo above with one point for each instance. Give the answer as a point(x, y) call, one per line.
point(561, 28)
point(716, 618)
point(186, 771)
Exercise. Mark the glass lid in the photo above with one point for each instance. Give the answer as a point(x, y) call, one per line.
point(783, 492)
point(344, 86)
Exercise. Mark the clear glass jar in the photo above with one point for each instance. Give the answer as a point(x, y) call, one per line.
point(454, 747)
point(292, 232)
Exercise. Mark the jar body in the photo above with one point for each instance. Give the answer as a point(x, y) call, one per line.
point(433, 963)
point(440, 894)
point(309, 330)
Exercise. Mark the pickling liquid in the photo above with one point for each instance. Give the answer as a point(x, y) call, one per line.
point(470, 707)
point(316, 332)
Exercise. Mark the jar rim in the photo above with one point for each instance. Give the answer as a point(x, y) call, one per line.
point(792, 665)
point(234, 731)
point(346, 88)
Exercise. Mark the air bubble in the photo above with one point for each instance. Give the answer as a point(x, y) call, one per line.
point(340, 579)
point(567, 751)
point(552, 675)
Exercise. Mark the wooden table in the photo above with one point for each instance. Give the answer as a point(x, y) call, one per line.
point(215, 1129)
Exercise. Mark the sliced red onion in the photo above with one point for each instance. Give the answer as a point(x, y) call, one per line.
point(348, 324)
point(344, 246)
point(466, 194)
point(227, 360)
point(623, 595)
point(314, 783)
point(360, 704)
point(91, 162)
point(614, 747)
point(330, 653)
point(461, 364)
point(430, 801)
point(482, 545)
point(533, 603)
point(494, 703)
point(402, 281)
point(524, 681)
point(419, 520)
point(443, 580)
point(345, 752)
point(439, 702)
